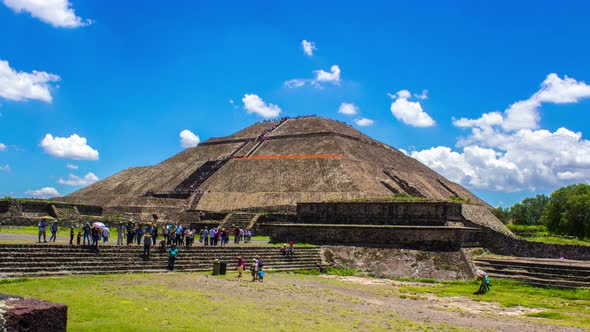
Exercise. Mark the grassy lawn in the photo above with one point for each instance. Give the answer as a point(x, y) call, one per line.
point(539, 233)
point(560, 306)
point(195, 301)
point(27, 230)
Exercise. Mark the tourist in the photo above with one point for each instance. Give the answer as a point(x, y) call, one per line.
point(283, 250)
point(212, 237)
point(43, 231)
point(147, 243)
point(217, 236)
point(166, 233)
point(120, 233)
point(223, 236)
point(205, 236)
point(86, 230)
point(178, 233)
point(72, 232)
point(105, 235)
point(54, 228)
point(79, 237)
point(291, 247)
point(260, 275)
point(254, 269)
point(172, 251)
point(130, 233)
point(485, 282)
point(95, 233)
point(228, 234)
point(155, 235)
point(240, 267)
point(138, 234)
point(237, 235)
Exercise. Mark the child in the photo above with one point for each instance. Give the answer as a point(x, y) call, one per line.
point(261, 276)
point(71, 235)
point(79, 237)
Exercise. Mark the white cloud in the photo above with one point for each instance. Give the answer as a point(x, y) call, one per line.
point(2, 147)
point(71, 166)
point(308, 47)
point(294, 83)
point(348, 109)
point(77, 181)
point(524, 114)
point(255, 104)
point(409, 112)
point(423, 95)
point(364, 122)
point(333, 76)
point(505, 151)
point(73, 147)
point(58, 13)
point(320, 76)
point(20, 86)
point(5, 168)
point(46, 192)
point(188, 139)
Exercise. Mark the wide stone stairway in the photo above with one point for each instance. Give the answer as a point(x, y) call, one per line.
point(59, 260)
point(537, 271)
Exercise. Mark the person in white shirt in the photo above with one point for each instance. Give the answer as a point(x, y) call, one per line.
point(105, 234)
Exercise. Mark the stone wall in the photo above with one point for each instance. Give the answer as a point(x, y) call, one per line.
point(380, 213)
point(392, 263)
point(19, 314)
point(414, 237)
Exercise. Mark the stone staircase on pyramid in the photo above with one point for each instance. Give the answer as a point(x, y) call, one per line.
point(239, 219)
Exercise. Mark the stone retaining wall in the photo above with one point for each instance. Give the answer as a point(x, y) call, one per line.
point(380, 213)
point(414, 237)
point(398, 263)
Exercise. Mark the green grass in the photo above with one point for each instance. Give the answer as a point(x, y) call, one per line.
point(561, 306)
point(195, 301)
point(422, 280)
point(27, 230)
point(539, 233)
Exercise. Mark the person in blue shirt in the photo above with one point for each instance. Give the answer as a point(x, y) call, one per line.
point(172, 252)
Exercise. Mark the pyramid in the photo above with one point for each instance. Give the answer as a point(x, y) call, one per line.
point(274, 165)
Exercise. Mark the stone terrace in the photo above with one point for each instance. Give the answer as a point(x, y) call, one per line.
point(57, 260)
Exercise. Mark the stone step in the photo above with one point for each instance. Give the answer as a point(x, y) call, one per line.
point(140, 260)
point(537, 271)
point(544, 276)
point(542, 263)
point(548, 270)
point(539, 281)
point(144, 265)
point(69, 273)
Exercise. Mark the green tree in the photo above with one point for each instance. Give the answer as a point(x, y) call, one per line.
point(502, 213)
point(568, 211)
point(529, 211)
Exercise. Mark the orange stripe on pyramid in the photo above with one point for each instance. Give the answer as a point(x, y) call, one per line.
point(294, 156)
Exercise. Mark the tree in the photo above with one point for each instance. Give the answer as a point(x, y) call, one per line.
point(502, 214)
point(529, 211)
point(568, 211)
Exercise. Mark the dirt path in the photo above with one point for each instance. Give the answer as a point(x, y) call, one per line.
point(455, 311)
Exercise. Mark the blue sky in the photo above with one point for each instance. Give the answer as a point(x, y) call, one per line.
point(128, 79)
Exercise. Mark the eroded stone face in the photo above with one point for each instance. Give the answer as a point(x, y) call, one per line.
point(20, 314)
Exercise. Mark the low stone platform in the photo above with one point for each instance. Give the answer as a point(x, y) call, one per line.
point(537, 271)
point(412, 237)
point(59, 260)
point(31, 315)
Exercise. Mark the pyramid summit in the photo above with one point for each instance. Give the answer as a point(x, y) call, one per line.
point(274, 164)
